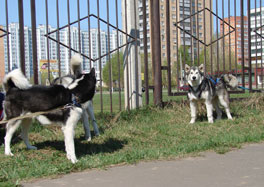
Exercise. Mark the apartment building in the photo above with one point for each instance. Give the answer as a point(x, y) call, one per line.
point(179, 9)
point(235, 37)
point(257, 43)
point(14, 48)
point(63, 58)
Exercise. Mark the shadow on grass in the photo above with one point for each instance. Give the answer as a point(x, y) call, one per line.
point(15, 139)
point(203, 117)
point(109, 146)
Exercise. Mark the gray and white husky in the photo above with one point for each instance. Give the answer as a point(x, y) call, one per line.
point(210, 90)
point(87, 106)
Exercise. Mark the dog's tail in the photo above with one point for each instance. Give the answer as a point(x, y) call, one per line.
point(231, 81)
point(76, 64)
point(15, 79)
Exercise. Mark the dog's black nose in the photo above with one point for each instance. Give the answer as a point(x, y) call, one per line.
point(194, 78)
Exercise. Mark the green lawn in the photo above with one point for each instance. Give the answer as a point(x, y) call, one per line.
point(148, 133)
point(115, 100)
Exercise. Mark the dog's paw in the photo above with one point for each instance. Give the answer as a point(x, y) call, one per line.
point(210, 121)
point(192, 121)
point(9, 153)
point(31, 147)
point(230, 118)
point(89, 139)
point(72, 158)
point(74, 161)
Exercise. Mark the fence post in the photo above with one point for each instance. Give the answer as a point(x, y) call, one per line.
point(155, 50)
point(132, 65)
point(249, 47)
point(21, 35)
point(34, 41)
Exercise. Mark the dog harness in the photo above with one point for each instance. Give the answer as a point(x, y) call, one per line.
point(206, 84)
point(74, 101)
point(215, 82)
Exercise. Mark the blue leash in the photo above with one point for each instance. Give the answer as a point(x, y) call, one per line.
point(243, 88)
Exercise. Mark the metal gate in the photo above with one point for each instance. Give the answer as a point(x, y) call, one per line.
point(44, 34)
point(225, 35)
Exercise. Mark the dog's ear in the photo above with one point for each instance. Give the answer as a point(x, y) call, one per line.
point(201, 68)
point(92, 72)
point(187, 68)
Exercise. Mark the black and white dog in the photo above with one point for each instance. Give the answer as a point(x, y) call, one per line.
point(210, 90)
point(23, 98)
point(87, 106)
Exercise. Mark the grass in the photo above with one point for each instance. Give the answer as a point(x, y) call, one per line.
point(145, 134)
point(115, 100)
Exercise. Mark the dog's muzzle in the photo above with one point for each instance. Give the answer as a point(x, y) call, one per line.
point(194, 78)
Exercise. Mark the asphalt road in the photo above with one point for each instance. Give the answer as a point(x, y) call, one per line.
point(243, 167)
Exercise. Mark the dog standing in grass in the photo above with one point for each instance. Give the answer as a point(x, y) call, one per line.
point(22, 98)
point(210, 90)
point(88, 111)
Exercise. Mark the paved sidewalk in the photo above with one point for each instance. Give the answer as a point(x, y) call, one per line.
point(244, 167)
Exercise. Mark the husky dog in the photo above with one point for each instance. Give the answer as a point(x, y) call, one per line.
point(23, 98)
point(212, 91)
point(87, 106)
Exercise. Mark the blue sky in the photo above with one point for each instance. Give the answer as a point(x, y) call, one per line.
point(41, 12)
point(41, 15)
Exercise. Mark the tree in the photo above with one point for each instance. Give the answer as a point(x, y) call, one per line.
point(114, 72)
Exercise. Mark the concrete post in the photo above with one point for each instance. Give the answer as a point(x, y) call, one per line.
point(132, 64)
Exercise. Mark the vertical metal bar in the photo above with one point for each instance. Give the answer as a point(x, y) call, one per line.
point(235, 35)
point(47, 31)
point(89, 34)
point(223, 28)
point(21, 35)
point(217, 44)
point(69, 32)
point(99, 53)
point(7, 36)
point(145, 40)
point(156, 53)
point(109, 58)
point(184, 50)
point(79, 27)
point(197, 33)
point(34, 41)
point(242, 40)
point(191, 25)
point(261, 45)
point(168, 45)
point(127, 67)
point(177, 36)
point(229, 38)
point(211, 36)
point(58, 37)
point(256, 38)
point(204, 35)
point(118, 56)
point(249, 46)
point(136, 54)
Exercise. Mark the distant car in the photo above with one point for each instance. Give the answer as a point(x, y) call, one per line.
point(184, 88)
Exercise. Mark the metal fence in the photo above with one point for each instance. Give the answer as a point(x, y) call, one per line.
point(225, 35)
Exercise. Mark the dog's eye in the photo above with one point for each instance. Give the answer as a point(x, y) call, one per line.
point(196, 73)
point(191, 72)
